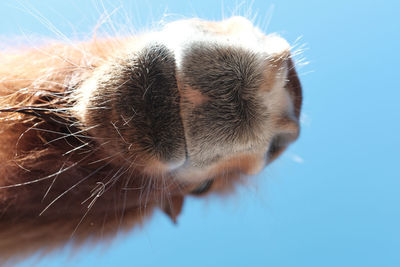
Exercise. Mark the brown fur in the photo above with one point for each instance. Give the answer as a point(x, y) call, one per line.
point(62, 179)
point(33, 147)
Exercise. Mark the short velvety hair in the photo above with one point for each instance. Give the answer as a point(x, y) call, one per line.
point(96, 135)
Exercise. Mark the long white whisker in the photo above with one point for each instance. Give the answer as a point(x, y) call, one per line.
point(75, 134)
point(76, 148)
point(51, 175)
point(52, 183)
point(72, 187)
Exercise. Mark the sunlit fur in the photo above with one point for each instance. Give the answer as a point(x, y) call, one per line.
point(69, 173)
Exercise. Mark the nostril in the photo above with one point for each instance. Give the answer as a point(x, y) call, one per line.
point(278, 144)
point(203, 187)
point(276, 147)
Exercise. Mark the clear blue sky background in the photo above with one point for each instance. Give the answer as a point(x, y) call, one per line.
point(333, 199)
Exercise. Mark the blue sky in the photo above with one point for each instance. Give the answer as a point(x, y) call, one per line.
point(333, 198)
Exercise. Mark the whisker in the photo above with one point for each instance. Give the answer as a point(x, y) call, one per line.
point(76, 148)
point(100, 160)
point(51, 175)
point(75, 134)
point(21, 135)
point(72, 187)
point(119, 133)
point(96, 192)
point(52, 183)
